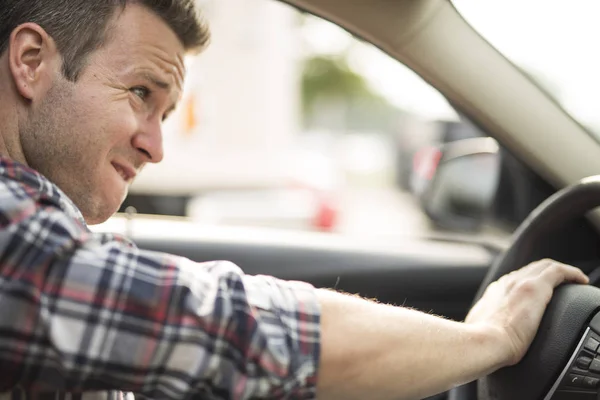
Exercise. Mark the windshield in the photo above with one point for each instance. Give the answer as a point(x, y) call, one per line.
point(554, 42)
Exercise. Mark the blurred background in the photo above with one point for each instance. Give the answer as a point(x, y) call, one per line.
point(287, 121)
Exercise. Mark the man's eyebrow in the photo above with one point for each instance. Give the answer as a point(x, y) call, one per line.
point(160, 84)
point(156, 81)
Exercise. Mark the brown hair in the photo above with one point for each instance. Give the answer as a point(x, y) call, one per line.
point(80, 26)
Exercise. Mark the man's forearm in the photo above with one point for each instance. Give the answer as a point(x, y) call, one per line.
point(377, 351)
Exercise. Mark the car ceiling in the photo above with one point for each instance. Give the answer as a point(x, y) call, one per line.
point(431, 38)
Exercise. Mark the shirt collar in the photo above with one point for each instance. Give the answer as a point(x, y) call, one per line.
point(42, 188)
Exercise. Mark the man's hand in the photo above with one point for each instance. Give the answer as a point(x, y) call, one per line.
point(512, 307)
point(375, 351)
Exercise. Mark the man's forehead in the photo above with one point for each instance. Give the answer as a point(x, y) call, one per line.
point(139, 28)
point(178, 70)
point(141, 39)
point(166, 73)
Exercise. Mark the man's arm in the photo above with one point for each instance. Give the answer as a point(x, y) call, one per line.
point(86, 312)
point(80, 311)
point(374, 351)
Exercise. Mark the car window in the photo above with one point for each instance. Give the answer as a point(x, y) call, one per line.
point(289, 122)
point(553, 41)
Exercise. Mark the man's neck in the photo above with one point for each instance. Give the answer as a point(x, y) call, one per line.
point(10, 145)
point(10, 142)
point(3, 148)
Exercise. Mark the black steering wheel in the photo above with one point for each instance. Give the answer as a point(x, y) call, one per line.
point(561, 363)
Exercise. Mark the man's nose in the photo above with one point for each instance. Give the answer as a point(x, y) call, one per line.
point(149, 141)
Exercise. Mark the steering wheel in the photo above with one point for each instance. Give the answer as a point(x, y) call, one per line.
point(563, 362)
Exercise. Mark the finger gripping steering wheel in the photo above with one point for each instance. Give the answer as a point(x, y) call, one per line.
point(561, 363)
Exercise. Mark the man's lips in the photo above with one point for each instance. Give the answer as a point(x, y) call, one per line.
point(126, 172)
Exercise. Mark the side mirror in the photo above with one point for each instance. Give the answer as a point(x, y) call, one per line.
point(462, 190)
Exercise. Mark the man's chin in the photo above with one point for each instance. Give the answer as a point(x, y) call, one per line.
point(98, 218)
point(103, 211)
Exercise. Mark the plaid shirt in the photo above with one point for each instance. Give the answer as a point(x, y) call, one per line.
point(90, 316)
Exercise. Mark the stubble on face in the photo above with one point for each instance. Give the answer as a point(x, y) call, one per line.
point(54, 147)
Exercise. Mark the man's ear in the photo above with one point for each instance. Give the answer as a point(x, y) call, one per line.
point(32, 56)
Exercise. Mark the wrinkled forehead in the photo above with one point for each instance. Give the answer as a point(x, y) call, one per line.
point(169, 68)
point(142, 36)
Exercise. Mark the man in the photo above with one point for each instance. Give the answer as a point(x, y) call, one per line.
point(84, 87)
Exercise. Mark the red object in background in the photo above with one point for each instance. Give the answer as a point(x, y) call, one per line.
point(426, 161)
point(327, 214)
point(326, 211)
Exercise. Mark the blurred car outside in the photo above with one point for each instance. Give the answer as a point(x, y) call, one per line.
point(483, 189)
point(426, 158)
point(306, 200)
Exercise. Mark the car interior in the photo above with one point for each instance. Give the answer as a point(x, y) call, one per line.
point(550, 152)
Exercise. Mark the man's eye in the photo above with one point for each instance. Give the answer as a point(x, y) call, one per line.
point(141, 91)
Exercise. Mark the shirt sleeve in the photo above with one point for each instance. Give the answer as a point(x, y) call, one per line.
point(81, 311)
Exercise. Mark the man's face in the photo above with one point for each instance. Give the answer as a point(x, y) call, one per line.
point(92, 137)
